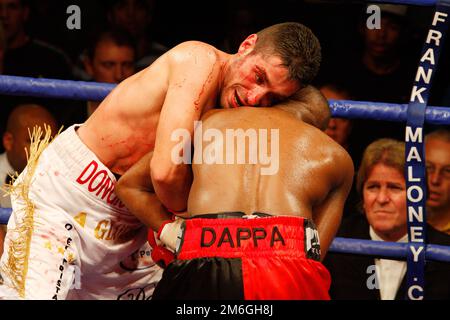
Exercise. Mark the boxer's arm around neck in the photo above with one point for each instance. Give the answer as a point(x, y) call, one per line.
point(192, 87)
point(135, 190)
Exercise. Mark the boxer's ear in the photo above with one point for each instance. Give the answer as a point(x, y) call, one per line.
point(248, 44)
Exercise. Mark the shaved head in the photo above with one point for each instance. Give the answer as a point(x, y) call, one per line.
point(16, 138)
point(309, 105)
point(29, 115)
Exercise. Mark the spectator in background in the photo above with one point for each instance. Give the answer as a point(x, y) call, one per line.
point(382, 71)
point(382, 186)
point(15, 140)
point(27, 56)
point(437, 156)
point(241, 20)
point(136, 17)
point(109, 58)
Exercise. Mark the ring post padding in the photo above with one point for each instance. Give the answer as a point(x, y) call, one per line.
point(415, 172)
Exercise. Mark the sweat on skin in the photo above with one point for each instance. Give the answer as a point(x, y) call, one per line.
point(228, 147)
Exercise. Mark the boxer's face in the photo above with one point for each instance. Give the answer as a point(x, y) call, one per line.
point(255, 79)
point(437, 156)
point(384, 202)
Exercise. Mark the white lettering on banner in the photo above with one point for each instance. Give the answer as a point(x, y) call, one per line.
point(434, 35)
point(413, 214)
point(437, 18)
point(416, 234)
point(98, 181)
point(411, 296)
point(421, 74)
point(409, 194)
point(413, 155)
point(410, 175)
point(417, 136)
point(417, 93)
point(429, 55)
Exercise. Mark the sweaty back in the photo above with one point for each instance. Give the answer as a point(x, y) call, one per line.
point(260, 160)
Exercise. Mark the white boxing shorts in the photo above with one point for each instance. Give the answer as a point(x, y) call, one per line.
point(69, 236)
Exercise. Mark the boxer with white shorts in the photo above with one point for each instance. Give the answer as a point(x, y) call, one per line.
point(70, 236)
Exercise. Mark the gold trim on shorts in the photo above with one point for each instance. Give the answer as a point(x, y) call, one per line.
point(19, 247)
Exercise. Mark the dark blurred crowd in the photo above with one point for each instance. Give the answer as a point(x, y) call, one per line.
point(118, 38)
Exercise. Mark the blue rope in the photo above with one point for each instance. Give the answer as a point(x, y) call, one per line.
point(384, 111)
point(384, 249)
point(52, 88)
point(94, 91)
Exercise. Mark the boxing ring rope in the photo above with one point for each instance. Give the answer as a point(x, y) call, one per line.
point(81, 90)
point(94, 91)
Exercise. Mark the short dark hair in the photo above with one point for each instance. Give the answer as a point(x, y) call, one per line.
point(118, 36)
point(309, 105)
point(296, 45)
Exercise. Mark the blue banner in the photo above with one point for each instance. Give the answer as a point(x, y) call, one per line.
point(415, 159)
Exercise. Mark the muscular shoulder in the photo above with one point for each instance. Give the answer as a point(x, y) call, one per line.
point(332, 156)
point(341, 162)
point(195, 52)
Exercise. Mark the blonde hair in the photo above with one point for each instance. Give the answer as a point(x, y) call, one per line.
point(389, 152)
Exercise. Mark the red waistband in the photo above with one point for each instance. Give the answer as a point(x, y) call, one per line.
point(238, 237)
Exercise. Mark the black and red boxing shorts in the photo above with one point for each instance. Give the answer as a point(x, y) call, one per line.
point(231, 257)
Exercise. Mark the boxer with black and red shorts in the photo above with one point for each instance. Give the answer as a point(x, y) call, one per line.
point(227, 256)
point(239, 253)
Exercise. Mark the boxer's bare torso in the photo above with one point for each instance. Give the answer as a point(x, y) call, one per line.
point(313, 178)
point(123, 128)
